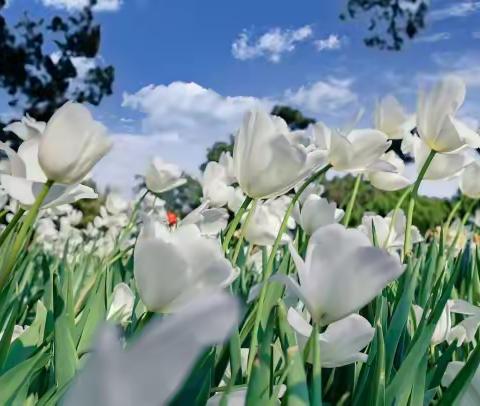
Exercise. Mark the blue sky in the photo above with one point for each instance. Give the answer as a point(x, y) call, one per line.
point(186, 71)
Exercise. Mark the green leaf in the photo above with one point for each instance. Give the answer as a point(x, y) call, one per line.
point(377, 388)
point(65, 354)
point(28, 343)
point(260, 384)
point(14, 379)
point(196, 390)
point(418, 392)
point(462, 380)
point(297, 389)
point(93, 315)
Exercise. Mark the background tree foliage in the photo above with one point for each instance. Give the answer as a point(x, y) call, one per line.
point(39, 64)
point(391, 22)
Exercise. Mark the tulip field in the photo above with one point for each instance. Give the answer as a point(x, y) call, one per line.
point(266, 293)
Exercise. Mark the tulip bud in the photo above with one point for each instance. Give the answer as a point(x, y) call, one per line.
point(162, 176)
point(73, 142)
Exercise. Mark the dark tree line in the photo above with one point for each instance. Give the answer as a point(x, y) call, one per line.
point(37, 80)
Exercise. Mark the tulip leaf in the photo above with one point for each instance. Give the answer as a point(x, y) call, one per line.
point(462, 380)
point(196, 389)
point(260, 384)
point(26, 345)
point(65, 359)
point(297, 389)
point(377, 391)
point(418, 392)
point(16, 378)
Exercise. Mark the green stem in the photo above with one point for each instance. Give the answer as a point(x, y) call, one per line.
point(452, 213)
point(317, 366)
point(10, 226)
point(394, 215)
point(243, 230)
point(22, 235)
point(407, 247)
point(460, 227)
point(351, 203)
point(269, 266)
point(234, 223)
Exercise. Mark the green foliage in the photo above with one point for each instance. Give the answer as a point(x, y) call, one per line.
point(32, 43)
point(390, 21)
point(429, 212)
point(293, 117)
point(184, 199)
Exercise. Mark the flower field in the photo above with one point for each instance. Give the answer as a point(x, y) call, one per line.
point(264, 294)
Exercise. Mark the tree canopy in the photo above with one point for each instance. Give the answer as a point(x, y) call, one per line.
point(46, 63)
point(391, 22)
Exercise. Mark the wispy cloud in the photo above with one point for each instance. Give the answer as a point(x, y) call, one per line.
point(102, 5)
point(437, 37)
point(332, 42)
point(476, 34)
point(272, 45)
point(456, 10)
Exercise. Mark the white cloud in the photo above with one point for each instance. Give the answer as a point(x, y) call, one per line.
point(456, 10)
point(323, 97)
point(476, 34)
point(439, 36)
point(466, 65)
point(271, 45)
point(181, 120)
point(102, 5)
point(333, 41)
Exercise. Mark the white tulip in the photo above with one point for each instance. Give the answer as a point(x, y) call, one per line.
point(154, 367)
point(436, 122)
point(340, 343)
point(443, 166)
point(26, 178)
point(72, 143)
point(265, 223)
point(389, 230)
point(355, 151)
point(121, 307)
point(317, 212)
point(267, 159)
point(469, 180)
point(115, 203)
point(171, 267)
point(443, 327)
point(337, 262)
point(389, 180)
point(27, 128)
point(216, 187)
point(162, 176)
point(210, 221)
point(471, 394)
point(471, 322)
point(391, 118)
point(476, 218)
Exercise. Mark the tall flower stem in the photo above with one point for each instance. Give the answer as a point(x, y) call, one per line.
point(13, 222)
point(23, 233)
point(461, 227)
point(407, 247)
point(316, 395)
point(395, 212)
point(243, 230)
point(453, 212)
point(269, 267)
point(234, 223)
point(351, 202)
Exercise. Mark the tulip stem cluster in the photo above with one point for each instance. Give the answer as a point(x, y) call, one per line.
point(269, 266)
point(13, 222)
point(411, 205)
point(243, 229)
point(317, 366)
point(23, 233)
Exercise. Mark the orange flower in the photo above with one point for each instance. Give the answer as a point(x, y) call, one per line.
point(171, 218)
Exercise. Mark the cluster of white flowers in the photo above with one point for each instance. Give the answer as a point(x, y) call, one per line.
point(270, 190)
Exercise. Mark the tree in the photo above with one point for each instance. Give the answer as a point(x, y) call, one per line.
point(293, 117)
point(39, 81)
point(391, 21)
